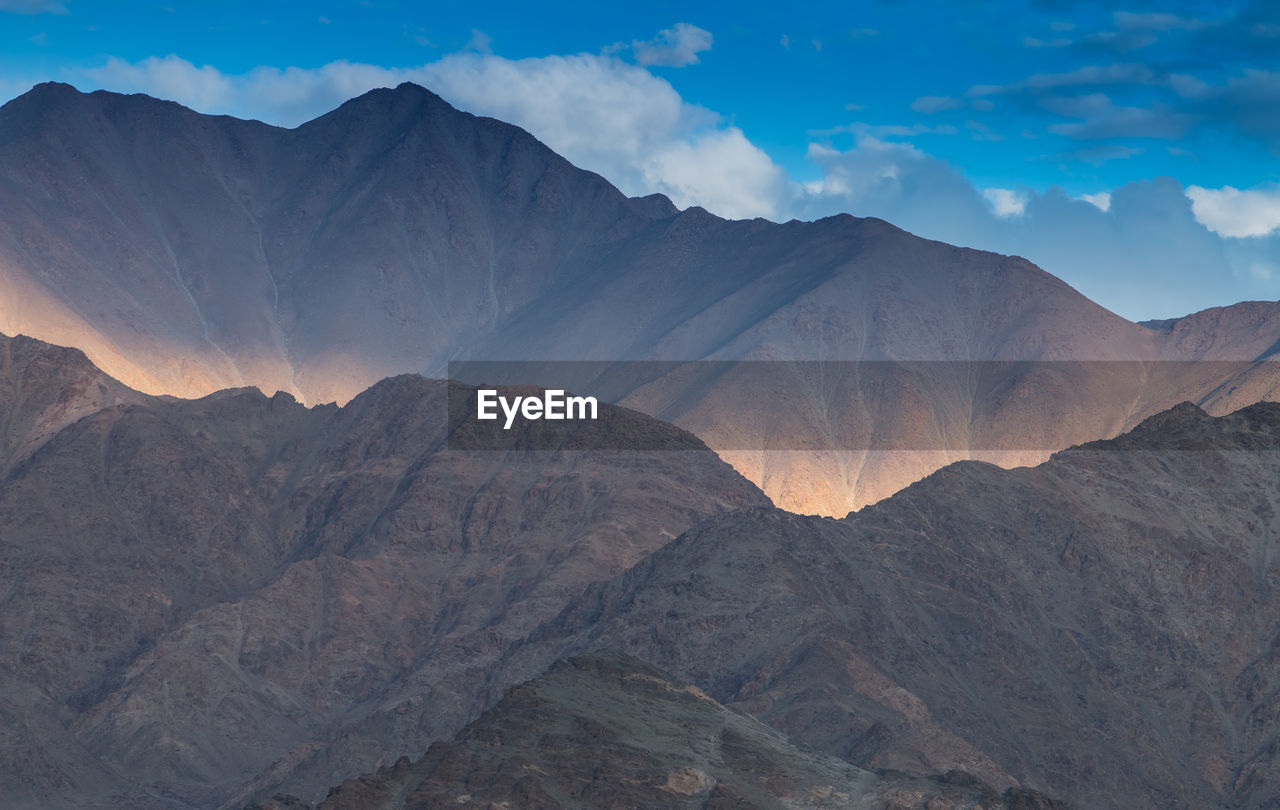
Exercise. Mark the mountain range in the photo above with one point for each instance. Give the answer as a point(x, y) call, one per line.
point(205, 597)
point(1101, 627)
point(255, 554)
point(187, 253)
point(211, 602)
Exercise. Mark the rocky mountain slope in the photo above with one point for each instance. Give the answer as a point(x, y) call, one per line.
point(204, 599)
point(209, 602)
point(1102, 627)
point(606, 730)
point(186, 253)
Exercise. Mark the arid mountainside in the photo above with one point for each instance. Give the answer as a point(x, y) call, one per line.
point(606, 730)
point(205, 599)
point(186, 253)
point(45, 388)
point(1102, 627)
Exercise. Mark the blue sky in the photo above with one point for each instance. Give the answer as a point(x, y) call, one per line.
point(1132, 149)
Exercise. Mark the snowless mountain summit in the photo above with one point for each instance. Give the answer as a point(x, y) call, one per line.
point(186, 253)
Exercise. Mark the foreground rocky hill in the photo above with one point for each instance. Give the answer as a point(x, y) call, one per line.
point(1102, 627)
point(211, 602)
point(187, 253)
point(203, 600)
point(606, 730)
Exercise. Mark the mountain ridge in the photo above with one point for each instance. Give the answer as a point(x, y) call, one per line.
point(608, 730)
point(204, 597)
point(1099, 627)
point(188, 253)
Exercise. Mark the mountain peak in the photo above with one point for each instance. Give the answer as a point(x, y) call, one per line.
point(403, 96)
point(412, 87)
point(49, 97)
point(403, 90)
point(43, 96)
point(53, 88)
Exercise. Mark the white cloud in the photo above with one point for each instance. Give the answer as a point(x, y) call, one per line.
point(1263, 271)
point(1232, 212)
point(1100, 200)
point(1036, 42)
point(1145, 250)
point(603, 114)
point(1145, 256)
point(894, 181)
point(170, 77)
point(882, 131)
point(677, 46)
point(1156, 21)
point(932, 104)
point(1005, 202)
point(1092, 75)
point(981, 132)
point(621, 121)
point(480, 41)
point(594, 110)
point(1103, 119)
point(722, 171)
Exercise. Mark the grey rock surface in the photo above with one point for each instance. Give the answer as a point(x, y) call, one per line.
point(606, 730)
point(206, 600)
point(1102, 627)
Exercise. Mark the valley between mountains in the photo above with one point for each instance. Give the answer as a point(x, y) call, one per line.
point(187, 253)
point(873, 521)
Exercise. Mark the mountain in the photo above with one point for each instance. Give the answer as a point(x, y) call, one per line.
point(186, 253)
point(606, 730)
point(1102, 627)
point(44, 389)
point(204, 600)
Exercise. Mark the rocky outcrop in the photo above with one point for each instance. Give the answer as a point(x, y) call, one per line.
point(1101, 627)
point(606, 730)
point(205, 601)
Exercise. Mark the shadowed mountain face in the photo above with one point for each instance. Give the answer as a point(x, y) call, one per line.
point(1102, 627)
point(606, 730)
point(201, 600)
point(185, 253)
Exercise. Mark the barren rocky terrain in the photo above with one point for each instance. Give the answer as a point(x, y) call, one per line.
point(204, 599)
point(606, 730)
point(213, 602)
point(250, 558)
point(1101, 627)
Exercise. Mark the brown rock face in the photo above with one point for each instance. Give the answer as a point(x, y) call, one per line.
point(205, 601)
point(606, 730)
point(44, 389)
point(1101, 627)
point(186, 253)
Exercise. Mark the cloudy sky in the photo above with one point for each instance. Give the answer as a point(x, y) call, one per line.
point(1132, 149)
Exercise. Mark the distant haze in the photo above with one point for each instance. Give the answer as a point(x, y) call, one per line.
point(186, 253)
